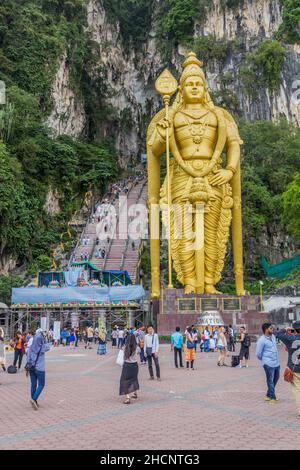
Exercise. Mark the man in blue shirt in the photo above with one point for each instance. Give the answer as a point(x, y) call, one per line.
point(177, 343)
point(267, 353)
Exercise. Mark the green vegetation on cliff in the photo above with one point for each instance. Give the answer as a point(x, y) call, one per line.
point(34, 35)
point(291, 207)
point(263, 67)
point(134, 18)
point(289, 29)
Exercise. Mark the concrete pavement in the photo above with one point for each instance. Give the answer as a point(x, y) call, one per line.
point(209, 408)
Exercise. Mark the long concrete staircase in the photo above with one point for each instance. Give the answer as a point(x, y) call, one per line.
point(132, 252)
point(120, 252)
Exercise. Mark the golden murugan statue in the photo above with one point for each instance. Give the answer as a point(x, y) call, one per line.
point(197, 132)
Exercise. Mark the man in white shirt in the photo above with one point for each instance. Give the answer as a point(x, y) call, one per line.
point(206, 340)
point(151, 347)
point(121, 334)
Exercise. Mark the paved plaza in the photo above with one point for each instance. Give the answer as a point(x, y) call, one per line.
point(209, 408)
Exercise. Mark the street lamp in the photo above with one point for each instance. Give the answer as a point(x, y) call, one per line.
point(261, 295)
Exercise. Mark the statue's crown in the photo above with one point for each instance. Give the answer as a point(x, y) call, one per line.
point(192, 60)
point(192, 66)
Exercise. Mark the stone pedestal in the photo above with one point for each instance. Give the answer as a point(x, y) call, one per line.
point(178, 309)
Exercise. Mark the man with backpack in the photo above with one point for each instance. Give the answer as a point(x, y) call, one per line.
point(292, 372)
point(245, 347)
point(267, 353)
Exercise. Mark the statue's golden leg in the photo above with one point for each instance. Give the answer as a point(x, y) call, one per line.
point(187, 250)
point(199, 247)
point(211, 221)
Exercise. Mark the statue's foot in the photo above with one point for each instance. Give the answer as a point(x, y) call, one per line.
point(189, 289)
point(210, 289)
point(200, 290)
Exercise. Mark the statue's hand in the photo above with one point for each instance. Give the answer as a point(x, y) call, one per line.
point(221, 177)
point(162, 126)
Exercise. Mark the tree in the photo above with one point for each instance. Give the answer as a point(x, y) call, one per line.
point(291, 208)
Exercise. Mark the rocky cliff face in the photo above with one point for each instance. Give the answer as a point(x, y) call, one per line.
point(68, 115)
point(254, 21)
point(131, 77)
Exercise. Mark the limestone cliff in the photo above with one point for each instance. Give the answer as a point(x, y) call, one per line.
point(131, 76)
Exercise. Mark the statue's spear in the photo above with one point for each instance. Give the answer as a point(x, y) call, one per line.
point(166, 85)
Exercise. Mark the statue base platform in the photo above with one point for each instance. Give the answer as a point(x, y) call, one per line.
point(179, 309)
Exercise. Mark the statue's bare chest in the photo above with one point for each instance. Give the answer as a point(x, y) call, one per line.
point(196, 133)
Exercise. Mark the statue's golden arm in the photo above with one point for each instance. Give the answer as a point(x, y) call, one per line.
point(233, 154)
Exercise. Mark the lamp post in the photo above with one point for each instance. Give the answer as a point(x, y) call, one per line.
point(261, 295)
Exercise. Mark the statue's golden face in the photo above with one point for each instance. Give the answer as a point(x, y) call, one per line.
point(193, 90)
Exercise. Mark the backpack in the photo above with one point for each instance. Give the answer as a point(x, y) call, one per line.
point(12, 370)
point(247, 341)
point(235, 360)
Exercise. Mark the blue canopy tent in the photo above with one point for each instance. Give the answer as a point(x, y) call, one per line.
point(81, 296)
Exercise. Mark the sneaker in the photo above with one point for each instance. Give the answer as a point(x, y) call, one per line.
point(34, 404)
point(151, 378)
point(272, 401)
point(267, 398)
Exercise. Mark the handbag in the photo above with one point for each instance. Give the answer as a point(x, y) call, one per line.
point(120, 358)
point(289, 375)
point(31, 367)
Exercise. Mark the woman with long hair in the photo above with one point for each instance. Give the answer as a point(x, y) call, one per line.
point(102, 343)
point(189, 348)
point(129, 378)
point(2, 350)
point(221, 346)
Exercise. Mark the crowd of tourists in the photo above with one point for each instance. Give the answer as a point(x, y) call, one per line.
point(140, 345)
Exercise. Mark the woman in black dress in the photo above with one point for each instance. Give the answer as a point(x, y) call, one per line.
point(245, 346)
point(129, 378)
